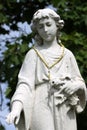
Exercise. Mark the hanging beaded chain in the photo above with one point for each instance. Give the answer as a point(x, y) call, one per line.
point(49, 67)
point(46, 64)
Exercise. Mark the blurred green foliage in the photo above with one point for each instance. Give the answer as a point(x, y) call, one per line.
point(73, 36)
point(2, 128)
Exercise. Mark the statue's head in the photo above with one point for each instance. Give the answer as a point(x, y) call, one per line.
point(42, 14)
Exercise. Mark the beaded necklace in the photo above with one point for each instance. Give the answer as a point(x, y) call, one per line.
point(45, 62)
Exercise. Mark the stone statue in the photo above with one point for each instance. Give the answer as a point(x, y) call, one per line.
point(50, 89)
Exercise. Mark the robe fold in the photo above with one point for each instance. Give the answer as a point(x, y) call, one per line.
point(40, 111)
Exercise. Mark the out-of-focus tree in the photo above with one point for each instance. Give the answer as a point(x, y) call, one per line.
point(2, 128)
point(74, 37)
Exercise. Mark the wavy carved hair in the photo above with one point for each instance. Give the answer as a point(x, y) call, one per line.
point(45, 13)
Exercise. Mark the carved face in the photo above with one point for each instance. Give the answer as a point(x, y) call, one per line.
point(47, 29)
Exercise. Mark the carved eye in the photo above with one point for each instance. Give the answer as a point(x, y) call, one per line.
point(40, 27)
point(48, 24)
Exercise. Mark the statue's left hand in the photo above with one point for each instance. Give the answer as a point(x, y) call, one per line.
point(71, 87)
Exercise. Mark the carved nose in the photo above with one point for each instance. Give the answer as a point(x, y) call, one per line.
point(45, 29)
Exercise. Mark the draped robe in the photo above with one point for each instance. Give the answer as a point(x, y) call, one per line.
point(40, 111)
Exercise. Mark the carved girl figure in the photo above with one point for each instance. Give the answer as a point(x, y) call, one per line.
point(50, 88)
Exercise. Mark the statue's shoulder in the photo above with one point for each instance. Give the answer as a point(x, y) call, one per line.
point(32, 50)
point(31, 53)
point(68, 52)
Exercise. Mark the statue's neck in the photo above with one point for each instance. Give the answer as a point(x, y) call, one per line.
point(50, 44)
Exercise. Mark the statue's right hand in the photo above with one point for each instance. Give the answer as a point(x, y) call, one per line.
point(13, 117)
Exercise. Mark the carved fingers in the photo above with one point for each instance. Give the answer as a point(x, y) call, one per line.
point(13, 117)
point(70, 88)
